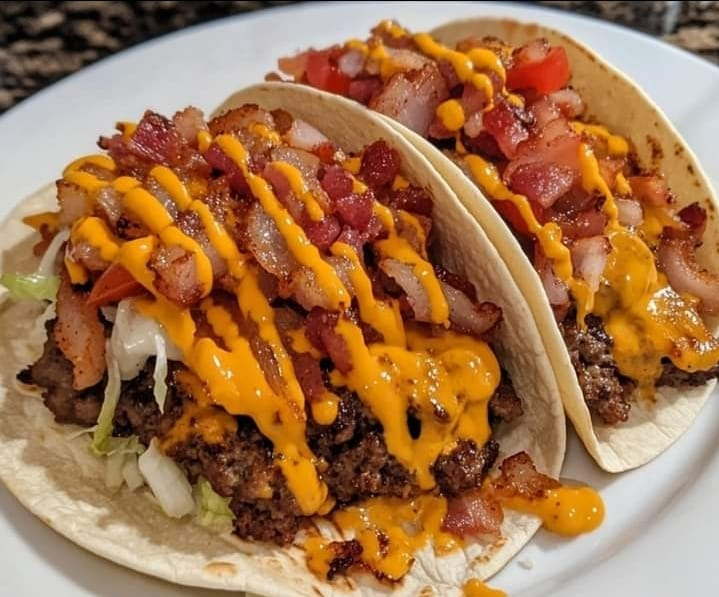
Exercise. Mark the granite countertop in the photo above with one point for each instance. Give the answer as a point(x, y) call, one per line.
point(41, 42)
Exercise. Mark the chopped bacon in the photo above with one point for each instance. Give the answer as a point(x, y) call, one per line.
point(233, 121)
point(363, 90)
point(355, 209)
point(380, 164)
point(304, 136)
point(89, 256)
point(507, 128)
point(544, 110)
point(589, 256)
point(321, 333)
point(220, 161)
point(411, 98)
point(189, 122)
point(323, 233)
point(336, 182)
point(412, 199)
point(108, 203)
point(542, 183)
point(473, 514)
point(519, 478)
point(590, 222)
point(80, 335)
point(309, 375)
point(694, 217)
point(630, 212)
point(651, 190)
point(678, 261)
point(74, 202)
point(176, 275)
point(556, 144)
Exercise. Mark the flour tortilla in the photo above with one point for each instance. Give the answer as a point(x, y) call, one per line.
point(56, 478)
point(618, 103)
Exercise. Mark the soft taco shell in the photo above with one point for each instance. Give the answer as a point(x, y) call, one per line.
point(613, 100)
point(56, 478)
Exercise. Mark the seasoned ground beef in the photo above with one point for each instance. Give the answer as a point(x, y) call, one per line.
point(674, 377)
point(354, 461)
point(505, 405)
point(605, 390)
point(465, 467)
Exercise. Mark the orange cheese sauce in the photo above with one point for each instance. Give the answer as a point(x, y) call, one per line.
point(476, 588)
point(450, 375)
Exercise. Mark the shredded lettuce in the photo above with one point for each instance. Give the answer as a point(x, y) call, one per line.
point(160, 373)
point(212, 509)
point(43, 284)
point(101, 440)
point(167, 482)
point(47, 263)
point(31, 286)
point(135, 338)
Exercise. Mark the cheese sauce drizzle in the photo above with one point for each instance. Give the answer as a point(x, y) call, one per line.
point(447, 380)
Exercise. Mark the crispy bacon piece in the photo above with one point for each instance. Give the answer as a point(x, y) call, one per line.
point(519, 478)
point(80, 335)
point(678, 261)
point(74, 202)
point(380, 164)
point(411, 98)
point(504, 123)
point(364, 89)
point(473, 514)
point(176, 275)
point(542, 183)
point(321, 333)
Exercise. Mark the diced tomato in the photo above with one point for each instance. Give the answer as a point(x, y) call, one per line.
point(115, 284)
point(325, 75)
point(545, 71)
point(511, 214)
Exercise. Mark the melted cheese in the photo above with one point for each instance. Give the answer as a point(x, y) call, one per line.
point(383, 316)
point(549, 235)
point(567, 511)
point(398, 248)
point(300, 190)
point(616, 146)
point(447, 381)
point(646, 319)
point(47, 219)
point(451, 114)
point(476, 588)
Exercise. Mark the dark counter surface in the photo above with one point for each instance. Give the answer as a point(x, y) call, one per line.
point(41, 42)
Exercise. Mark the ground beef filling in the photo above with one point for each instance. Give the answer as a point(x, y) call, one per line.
point(354, 461)
point(606, 391)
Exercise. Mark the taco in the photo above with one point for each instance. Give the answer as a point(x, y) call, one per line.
point(280, 324)
point(609, 237)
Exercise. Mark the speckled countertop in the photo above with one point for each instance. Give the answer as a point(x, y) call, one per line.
point(40, 42)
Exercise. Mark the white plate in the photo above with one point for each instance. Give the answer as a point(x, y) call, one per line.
point(662, 522)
